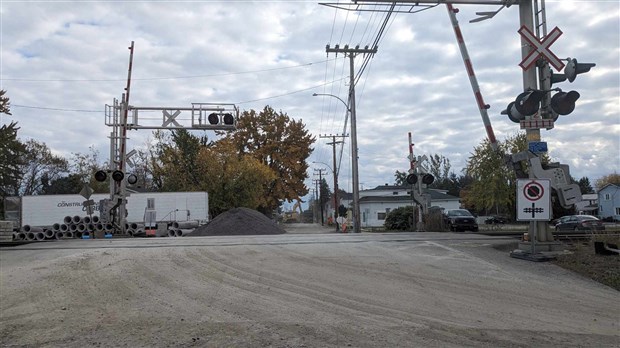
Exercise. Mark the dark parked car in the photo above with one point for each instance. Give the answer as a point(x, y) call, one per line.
point(579, 223)
point(495, 220)
point(460, 220)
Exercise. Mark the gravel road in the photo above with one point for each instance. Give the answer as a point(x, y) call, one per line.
point(297, 290)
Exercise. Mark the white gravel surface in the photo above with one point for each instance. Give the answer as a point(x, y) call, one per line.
point(297, 290)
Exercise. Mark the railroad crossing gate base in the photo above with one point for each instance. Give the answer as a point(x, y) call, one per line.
point(541, 246)
point(538, 257)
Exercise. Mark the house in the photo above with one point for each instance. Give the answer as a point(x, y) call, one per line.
point(588, 204)
point(377, 202)
point(609, 202)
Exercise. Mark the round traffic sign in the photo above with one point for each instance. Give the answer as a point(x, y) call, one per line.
point(533, 191)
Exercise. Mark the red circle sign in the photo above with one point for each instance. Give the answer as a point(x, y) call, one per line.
point(533, 191)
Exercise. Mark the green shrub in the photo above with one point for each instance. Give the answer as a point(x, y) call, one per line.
point(401, 219)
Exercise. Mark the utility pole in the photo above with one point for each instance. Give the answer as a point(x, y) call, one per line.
point(352, 53)
point(320, 171)
point(335, 172)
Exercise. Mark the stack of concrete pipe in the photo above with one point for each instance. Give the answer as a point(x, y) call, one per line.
point(79, 227)
point(181, 228)
point(135, 229)
point(71, 227)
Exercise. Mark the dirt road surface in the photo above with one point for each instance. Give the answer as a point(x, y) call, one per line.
point(297, 290)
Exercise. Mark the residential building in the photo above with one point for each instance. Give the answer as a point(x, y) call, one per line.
point(609, 202)
point(588, 204)
point(376, 203)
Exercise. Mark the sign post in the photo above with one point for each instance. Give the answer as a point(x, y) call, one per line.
point(533, 203)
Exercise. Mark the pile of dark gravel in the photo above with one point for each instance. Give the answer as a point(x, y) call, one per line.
point(238, 221)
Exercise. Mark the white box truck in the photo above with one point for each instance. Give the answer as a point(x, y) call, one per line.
point(45, 210)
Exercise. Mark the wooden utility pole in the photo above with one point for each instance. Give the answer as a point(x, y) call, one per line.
point(335, 172)
point(352, 52)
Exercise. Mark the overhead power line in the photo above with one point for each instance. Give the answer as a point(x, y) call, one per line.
point(167, 78)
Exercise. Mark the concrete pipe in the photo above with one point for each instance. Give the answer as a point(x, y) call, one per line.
point(21, 235)
point(56, 227)
point(68, 220)
point(28, 228)
point(99, 226)
point(39, 236)
point(131, 232)
point(68, 234)
point(30, 236)
point(109, 227)
point(64, 228)
point(86, 220)
point(183, 232)
point(95, 219)
point(73, 227)
point(77, 234)
point(90, 227)
point(58, 235)
point(49, 233)
point(185, 224)
point(133, 226)
point(81, 227)
point(172, 233)
point(76, 219)
point(16, 236)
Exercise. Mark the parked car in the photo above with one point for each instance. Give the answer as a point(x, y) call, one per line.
point(579, 223)
point(460, 220)
point(495, 220)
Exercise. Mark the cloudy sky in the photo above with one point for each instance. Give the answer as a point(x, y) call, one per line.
point(62, 61)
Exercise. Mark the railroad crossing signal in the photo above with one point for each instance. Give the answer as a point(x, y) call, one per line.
point(533, 199)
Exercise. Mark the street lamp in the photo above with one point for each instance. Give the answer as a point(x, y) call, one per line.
point(356, 191)
point(335, 190)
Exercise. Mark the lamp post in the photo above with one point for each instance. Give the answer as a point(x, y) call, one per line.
point(356, 192)
point(335, 190)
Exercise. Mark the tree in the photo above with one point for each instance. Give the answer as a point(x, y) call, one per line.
point(439, 167)
point(232, 180)
point(5, 105)
point(83, 167)
point(185, 162)
point(493, 183)
point(584, 184)
point(70, 184)
point(39, 162)
point(12, 153)
point(281, 143)
point(613, 178)
point(400, 178)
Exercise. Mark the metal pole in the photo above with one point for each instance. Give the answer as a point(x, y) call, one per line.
point(530, 80)
point(356, 190)
point(123, 151)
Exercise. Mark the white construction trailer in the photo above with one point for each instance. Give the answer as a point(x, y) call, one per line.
point(45, 210)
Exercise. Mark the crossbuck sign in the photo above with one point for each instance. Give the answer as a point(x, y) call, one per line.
point(540, 48)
